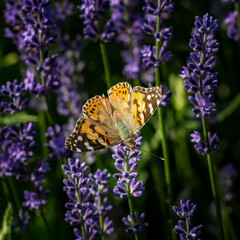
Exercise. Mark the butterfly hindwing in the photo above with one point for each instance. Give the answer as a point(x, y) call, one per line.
point(90, 136)
point(145, 101)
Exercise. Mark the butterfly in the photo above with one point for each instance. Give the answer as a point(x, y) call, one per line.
point(113, 120)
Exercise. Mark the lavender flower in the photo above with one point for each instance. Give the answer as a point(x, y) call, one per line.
point(56, 144)
point(184, 228)
point(63, 10)
point(129, 33)
point(22, 223)
point(99, 187)
point(37, 199)
point(18, 145)
point(13, 16)
point(12, 92)
point(227, 175)
point(135, 226)
point(81, 211)
point(152, 56)
point(92, 12)
point(201, 146)
point(126, 162)
point(35, 32)
point(69, 99)
point(200, 80)
point(232, 27)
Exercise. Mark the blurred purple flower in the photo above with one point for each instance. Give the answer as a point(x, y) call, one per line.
point(13, 93)
point(227, 176)
point(56, 144)
point(135, 226)
point(39, 173)
point(92, 12)
point(63, 10)
point(18, 145)
point(22, 223)
point(232, 27)
point(36, 200)
point(128, 25)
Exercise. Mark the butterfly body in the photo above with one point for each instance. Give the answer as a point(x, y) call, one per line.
point(113, 120)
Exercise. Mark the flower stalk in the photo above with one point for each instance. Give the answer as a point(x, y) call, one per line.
point(105, 64)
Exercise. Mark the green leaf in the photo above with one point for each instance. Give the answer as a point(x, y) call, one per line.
point(5, 231)
point(17, 118)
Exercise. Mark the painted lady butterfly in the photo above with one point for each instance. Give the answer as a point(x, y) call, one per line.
point(113, 120)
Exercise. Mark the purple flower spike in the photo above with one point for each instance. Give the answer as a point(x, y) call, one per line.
point(150, 57)
point(186, 209)
point(126, 162)
point(92, 11)
point(184, 228)
point(80, 206)
point(33, 30)
point(200, 80)
point(86, 199)
point(135, 226)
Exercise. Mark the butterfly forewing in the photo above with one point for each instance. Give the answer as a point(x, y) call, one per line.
point(145, 101)
point(89, 136)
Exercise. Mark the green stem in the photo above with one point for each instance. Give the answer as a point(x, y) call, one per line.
point(237, 8)
point(14, 193)
point(131, 209)
point(215, 195)
point(46, 223)
point(163, 133)
point(101, 219)
point(130, 198)
point(187, 224)
point(209, 159)
point(213, 182)
point(105, 64)
point(40, 51)
point(79, 201)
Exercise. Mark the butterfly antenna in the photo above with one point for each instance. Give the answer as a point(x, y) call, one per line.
point(152, 154)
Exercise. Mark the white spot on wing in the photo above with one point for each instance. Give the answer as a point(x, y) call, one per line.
point(88, 146)
point(151, 108)
point(80, 138)
point(148, 97)
point(158, 102)
point(78, 150)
